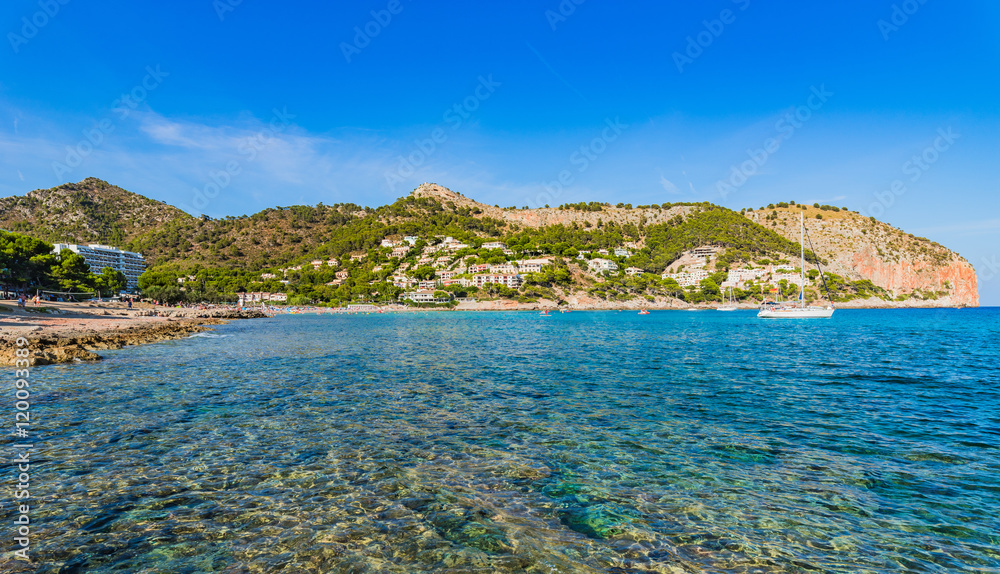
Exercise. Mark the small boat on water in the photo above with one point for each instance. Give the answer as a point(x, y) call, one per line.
point(644, 312)
point(728, 304)
point(772, 310)
point(545, 314)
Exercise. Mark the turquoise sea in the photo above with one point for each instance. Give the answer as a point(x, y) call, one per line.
point(508, 442)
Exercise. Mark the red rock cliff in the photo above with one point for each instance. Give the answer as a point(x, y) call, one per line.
point(857, 247)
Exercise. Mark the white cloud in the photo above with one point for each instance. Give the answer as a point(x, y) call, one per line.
point(257, 163)
point(668, 186)
point(165, 132)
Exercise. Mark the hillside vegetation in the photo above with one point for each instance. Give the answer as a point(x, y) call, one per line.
point(216, 258)
point(91, 211)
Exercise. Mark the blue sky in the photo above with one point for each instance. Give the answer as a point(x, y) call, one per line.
point(229, 109)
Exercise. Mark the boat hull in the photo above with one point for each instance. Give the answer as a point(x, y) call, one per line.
point(797, 313)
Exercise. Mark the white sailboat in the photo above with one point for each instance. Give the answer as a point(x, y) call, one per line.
point(728, 304)
point(800, 311)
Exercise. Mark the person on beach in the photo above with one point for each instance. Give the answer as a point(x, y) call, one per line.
point(21, 301)
point(129, 302)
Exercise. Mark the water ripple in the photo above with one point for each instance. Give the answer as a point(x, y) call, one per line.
point(498, 442)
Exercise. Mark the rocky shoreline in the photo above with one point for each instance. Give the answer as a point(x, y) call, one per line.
point(68, 333)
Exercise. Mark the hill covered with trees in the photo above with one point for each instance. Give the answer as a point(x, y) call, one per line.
point(336, 253)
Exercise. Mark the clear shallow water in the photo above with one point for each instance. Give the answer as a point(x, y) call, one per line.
point(508, 442)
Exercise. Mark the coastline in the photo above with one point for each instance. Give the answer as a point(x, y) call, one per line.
point(601, 305)
point(585, 303)
point(68, 332)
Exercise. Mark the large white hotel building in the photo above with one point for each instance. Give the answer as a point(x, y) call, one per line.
point(101, 256)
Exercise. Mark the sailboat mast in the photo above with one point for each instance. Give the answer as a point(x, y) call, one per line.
point(802, 265)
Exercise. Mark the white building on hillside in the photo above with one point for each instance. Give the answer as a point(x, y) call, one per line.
point(260, 297)
point(425, 296)
point(532, 265)
point(598, 265)
point(705, 252)
point(694, 277)
point(482, 268)
point(793, 278)
point(98, 257)
point(512, 281)
point(403, 282)
point(737, 276)
point(503, 268)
